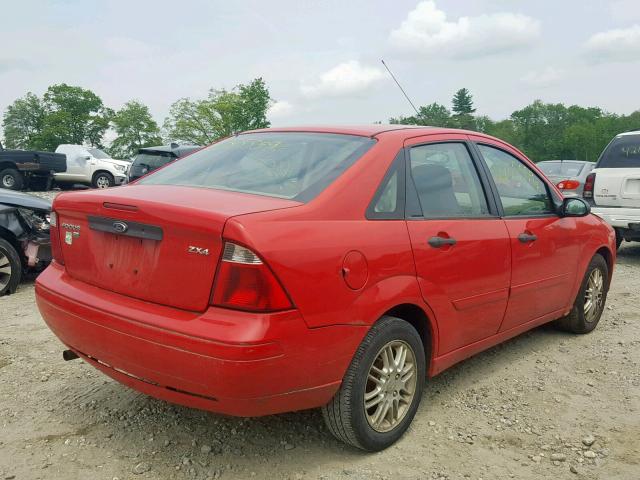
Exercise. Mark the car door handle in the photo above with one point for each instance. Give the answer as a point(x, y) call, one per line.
point(527, 237)
point(437, 242)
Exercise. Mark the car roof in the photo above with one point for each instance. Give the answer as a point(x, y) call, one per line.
point(635, 132)
point(370, 130)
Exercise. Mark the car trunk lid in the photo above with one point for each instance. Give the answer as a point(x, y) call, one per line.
point(158, 243)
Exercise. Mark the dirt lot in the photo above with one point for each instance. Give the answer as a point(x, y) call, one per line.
point(544, 405)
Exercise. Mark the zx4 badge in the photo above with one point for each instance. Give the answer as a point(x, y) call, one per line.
point(198, 250)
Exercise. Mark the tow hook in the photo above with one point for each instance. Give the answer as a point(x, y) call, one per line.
point(69, 355)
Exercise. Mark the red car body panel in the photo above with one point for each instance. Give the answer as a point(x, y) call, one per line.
point(139, 310)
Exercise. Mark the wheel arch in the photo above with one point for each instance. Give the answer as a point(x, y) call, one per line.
point(608, 257)
point(10, 237)
point(418, 319)
point(98, 172)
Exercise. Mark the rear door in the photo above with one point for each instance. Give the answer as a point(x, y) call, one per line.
point(544, 247)
point(460, 245)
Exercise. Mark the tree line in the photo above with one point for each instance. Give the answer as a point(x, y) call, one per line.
point(543, 131)
point(71, 114)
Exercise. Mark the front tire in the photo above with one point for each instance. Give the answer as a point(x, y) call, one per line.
point(592, 296)
point(103, 180)
point(11, 178)
point(10, 268)
point(381, 389)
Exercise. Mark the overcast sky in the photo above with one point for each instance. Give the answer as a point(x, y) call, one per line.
point(321, 58)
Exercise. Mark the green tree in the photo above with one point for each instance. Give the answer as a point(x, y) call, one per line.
point(73, 115)
point(463, 110)
point(23, 122)
point(434, 115)
point(136, 128)
point(221, 114)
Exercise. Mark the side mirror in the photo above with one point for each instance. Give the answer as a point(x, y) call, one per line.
point(574, 207)
point(87, 157)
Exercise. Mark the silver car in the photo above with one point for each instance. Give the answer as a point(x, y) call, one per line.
point(568, 175)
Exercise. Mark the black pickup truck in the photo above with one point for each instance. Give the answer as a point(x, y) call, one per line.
point(29, 169)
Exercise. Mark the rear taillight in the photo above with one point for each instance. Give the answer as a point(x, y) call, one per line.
point(245, 282)
point(588, 185)
point(56, 249)
point(568, 184)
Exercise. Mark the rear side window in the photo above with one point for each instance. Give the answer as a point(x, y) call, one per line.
point(153, 160)
point(622, 152)
point(446, 181)
point(289, 165)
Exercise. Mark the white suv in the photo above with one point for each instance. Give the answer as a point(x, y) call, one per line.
point(613, 187)
point(91, 166)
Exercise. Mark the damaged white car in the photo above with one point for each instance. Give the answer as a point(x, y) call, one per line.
point(24, 237)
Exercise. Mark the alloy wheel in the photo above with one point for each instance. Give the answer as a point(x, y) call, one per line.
point(5, 270)
point(391, 386)
point(8, 181)
point(593, 295)
point(103, 182)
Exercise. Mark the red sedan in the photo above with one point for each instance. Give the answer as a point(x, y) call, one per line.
point(286, 269)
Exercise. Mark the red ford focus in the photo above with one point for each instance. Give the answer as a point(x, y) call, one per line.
point(286, 269)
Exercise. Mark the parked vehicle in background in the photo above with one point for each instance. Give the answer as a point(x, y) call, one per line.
point(568, 175)
point(29, 168)
point(24, 237)
point(285, 269)
point(149, 159)
point(613, 188)
point(91, 166)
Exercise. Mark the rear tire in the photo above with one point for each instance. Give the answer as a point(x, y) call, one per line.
point(375, 374)
point(11, 178)
point(10, 268)
point(592, 296)
point(103, 180)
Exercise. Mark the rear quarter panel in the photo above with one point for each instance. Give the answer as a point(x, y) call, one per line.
point(306, 247)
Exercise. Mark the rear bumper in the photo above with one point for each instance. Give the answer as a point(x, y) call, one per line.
point(627, 218)
point(229, 362)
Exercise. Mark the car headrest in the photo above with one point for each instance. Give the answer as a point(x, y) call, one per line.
point(432, 177)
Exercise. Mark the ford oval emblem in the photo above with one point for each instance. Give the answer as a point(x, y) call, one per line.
point(120, 227)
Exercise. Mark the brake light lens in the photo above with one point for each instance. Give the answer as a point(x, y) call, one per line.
point(54, 234)
point(245, 282)
point(588, 185)
point(568, 184)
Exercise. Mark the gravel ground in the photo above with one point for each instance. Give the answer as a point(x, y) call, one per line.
point(543, 405)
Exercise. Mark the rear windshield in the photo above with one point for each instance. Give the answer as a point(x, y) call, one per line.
point(152, 160)
point(287, 165)
point(568, 169)
point(622, 152)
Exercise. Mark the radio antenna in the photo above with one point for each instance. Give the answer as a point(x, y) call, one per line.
point(400, 87)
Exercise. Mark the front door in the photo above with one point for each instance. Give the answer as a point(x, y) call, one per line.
point(460, 245)
point(544, 248)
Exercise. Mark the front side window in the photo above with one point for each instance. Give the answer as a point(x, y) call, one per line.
point(521, 191)
point(446, 181)
point(289, 165)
